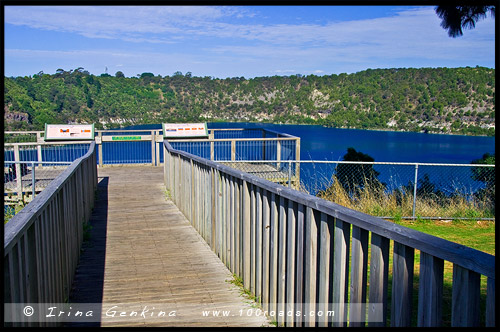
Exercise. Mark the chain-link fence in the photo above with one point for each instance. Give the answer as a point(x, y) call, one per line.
point(390, 190)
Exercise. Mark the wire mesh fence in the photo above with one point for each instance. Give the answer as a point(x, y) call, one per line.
point(390, 190)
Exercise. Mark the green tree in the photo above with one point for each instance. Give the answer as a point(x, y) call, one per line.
point(487, 176)
point(354, 177)
point(484, 174)
point(90, 102)
point(143, 75)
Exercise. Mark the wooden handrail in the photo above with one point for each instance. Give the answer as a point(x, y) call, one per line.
point(238, 214)
point(42, 242)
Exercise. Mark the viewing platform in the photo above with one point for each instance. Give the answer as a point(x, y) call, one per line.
point(170, 232)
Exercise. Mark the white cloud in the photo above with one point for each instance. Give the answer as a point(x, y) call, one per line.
point(220, 39)
point(280, 71)
point(120, 22)
point(166, 24)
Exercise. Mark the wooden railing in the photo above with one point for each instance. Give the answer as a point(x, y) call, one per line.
point(42, 242)
point(301, 254)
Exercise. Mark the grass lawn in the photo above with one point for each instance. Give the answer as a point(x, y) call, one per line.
point(471, 233)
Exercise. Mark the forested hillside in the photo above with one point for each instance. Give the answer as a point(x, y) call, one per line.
point(440, 100)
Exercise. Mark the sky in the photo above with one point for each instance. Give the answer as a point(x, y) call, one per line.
point(236, 41)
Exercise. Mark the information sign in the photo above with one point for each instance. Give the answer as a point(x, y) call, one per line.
point(185, 130)
point(69, 132)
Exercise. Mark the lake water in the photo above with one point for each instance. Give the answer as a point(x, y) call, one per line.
point(321, 143)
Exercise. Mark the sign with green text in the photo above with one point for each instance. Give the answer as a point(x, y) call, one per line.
point(126, 138)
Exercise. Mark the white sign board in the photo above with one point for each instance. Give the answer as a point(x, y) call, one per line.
point(183, 130)
point(69, 132)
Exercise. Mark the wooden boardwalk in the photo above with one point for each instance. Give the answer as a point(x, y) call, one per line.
point(144, 255)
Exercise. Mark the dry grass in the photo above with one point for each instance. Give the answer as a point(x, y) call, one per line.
point(374, 200)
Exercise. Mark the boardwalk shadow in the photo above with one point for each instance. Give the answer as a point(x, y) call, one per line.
point(89, 277)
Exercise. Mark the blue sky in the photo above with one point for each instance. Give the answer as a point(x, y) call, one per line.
point(235, 41)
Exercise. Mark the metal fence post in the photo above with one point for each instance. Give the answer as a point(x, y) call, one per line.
point(289, 174)
point(415, 190)
point(33, 179)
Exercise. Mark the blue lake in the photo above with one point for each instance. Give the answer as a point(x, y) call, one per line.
point(321, 143)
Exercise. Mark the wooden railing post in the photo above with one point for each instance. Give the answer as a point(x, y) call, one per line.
point(39, 148)
point(252, 238)
point(310, 266)
point(258, 244)
point(153, 148)
point(402, 285)
point(246, 234)
point(490, 302)
point(290, 261)
point(212, 150)
point(273, 256)
point(379, 272)
point(430, 294)
point(266, 231)
point(324, 269)
point(299, 278)
point(465, 297)
point(213, 219)
point(341, 268)
point(233, 150)
point(157, 138)
point(237, 221)
point(282, 259)
point(357, 310)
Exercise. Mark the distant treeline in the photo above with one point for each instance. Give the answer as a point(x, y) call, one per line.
point(438, 100)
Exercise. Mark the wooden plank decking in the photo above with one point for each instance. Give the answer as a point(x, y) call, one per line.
point(152, 258)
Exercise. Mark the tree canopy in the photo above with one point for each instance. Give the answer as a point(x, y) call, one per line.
point(354, 177)
point(440, 100)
